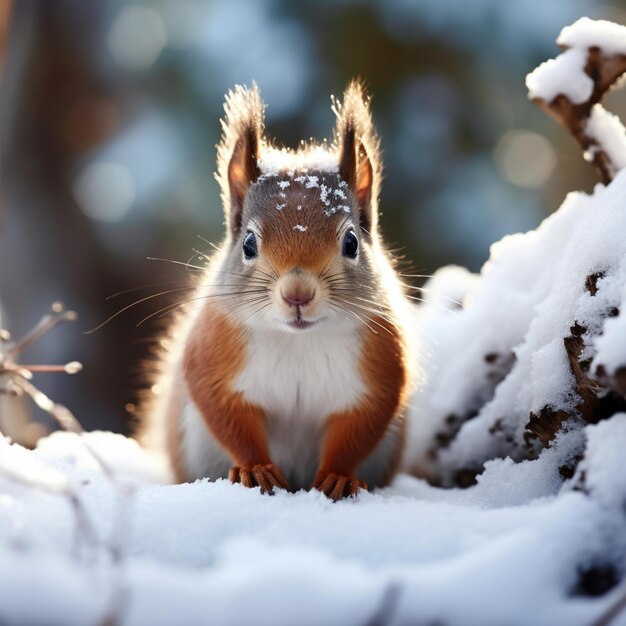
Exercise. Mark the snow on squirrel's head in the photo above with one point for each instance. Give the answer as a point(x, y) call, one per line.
point(303, 217)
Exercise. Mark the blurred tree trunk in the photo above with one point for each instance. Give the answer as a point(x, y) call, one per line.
point(14, 417)
point(50, 250)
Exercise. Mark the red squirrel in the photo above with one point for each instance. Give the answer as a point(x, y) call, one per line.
point(290, 368)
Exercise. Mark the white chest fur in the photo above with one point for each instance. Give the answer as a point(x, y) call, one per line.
point(299, 380)
point(302, 376)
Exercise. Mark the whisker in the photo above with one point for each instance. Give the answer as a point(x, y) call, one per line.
point(173, 282)
point(358, 317)
point(186, 265)
point(441, 295)
point(163, 293)
point(439, 304)
point(416, 275)
point(170, 308)
point(343, 223)
point(367, 316)
point(244, 322)
point(130, 306)
point(202, 255)
point(131, 289)
point(375, 312)
point(210, 243)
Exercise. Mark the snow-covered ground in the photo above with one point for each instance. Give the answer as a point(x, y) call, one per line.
point(510, 550)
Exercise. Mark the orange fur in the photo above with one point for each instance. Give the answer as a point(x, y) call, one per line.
point(286, 248)
point(213, 357)
point(350, 436)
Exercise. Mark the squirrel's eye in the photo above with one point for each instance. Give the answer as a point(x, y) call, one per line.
point(350, 246)
point(250, 249)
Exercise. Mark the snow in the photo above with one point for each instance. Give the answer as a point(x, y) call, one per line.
point(275, 161)
point(505, 551)
point(609, 133)
point(502, 356)
point(565, 75)
point(324, 191)
point(301, 228)
point(587, 33)
point(604, 462)
point(611, 345)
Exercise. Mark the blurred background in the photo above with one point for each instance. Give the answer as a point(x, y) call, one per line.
point(110, 115)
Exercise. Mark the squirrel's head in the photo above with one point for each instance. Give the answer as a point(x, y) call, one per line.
point(302, 226)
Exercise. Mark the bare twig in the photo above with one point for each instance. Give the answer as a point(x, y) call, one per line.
point(10, 369)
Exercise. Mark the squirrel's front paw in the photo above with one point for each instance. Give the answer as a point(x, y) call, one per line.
point(336, 486)
point(264, 476)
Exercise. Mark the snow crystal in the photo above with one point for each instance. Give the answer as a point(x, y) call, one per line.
point(340, 194)
point(586, 33)
point(280, 207)
point(283, 184)
point(311, 181)
point(282, 194)
point(324, 195)
point(564, 75)
point(301, 228)
point(609, 133)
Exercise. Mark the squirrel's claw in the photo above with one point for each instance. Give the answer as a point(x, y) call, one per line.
point(337, 487)
point(267, 477)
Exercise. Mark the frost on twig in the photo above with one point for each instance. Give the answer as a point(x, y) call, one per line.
point(571, 87)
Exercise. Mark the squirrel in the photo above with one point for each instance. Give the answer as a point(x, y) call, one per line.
point(292, 367)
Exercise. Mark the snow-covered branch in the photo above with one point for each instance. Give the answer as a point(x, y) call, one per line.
point(571, 87)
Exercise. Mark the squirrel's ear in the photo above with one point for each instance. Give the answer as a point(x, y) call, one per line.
point(359, 153)
point(238, 151)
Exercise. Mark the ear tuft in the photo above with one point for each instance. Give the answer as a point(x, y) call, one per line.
point(238, 150)
point(359, 152)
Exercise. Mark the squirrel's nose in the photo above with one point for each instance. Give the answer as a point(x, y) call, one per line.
point(298, 298)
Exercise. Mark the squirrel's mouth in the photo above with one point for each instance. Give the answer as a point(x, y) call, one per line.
point(301, 324)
